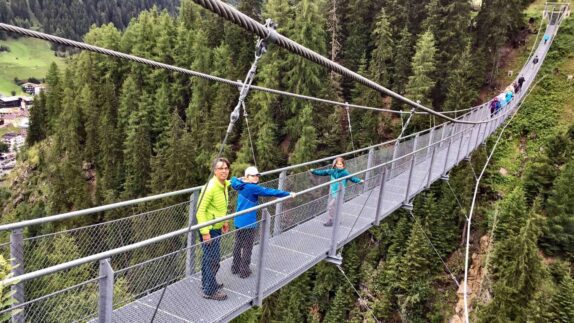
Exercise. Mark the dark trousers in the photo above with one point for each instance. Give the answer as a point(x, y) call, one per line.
point(210, 262)
point(242, 249)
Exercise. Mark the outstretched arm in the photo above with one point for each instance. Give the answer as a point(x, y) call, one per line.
point(321, 172)
point(264, 191)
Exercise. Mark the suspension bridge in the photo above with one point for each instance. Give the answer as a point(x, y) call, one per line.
point(145, 265)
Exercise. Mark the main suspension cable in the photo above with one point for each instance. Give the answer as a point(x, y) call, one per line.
point(235, 16)
point(149, 62)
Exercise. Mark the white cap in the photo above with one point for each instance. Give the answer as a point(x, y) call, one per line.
point(251, 170)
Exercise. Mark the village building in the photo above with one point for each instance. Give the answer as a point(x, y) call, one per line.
point(33, 88)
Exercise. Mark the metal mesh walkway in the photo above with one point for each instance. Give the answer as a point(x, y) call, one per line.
point(294, 251)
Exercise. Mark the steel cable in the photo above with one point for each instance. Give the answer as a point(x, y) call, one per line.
point(235, 16)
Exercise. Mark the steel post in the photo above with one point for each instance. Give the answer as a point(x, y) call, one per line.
point(460, 144)
point(191, 236)
point(395, 154)
point(264, 242)
point(337, 220)
point(415, 143)
point(106, 292)
point(370, 161)
point(279, 206)
point(429, 179)
point(431, 138)
point(17, 261)
point(444, 169)
point(378, 215)
point(406, 201)
point(476, 142)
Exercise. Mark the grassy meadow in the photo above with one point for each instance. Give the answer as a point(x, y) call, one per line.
point(28, 57)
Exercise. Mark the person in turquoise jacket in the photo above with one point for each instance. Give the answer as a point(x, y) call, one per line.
point(246, 224)
point(337, 171)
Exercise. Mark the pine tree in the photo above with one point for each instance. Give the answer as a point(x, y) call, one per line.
point(518, 271)
point(461, 91)
point(111, 139)
point(403, 50)
point(198, 111)
point(495, 20)
point(562, 305)
point(137, 152)
point(513, 214)
point(364, 122)
point(53, 97)
point(172, 168)
point(416, 262)
point(266, 139)
point(382, 53)
point(338, 309)
point(423, 65)
point(37, 129)
point(306, 146)
point(292, 302)
point(161, 117)
point(358, 19)
point(303, 76)
point(558, 237)
point(91, 121)
point(448, 20)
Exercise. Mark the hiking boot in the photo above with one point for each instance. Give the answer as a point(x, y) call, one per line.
point(245, 273)
point(328, 223)
point(218, 296)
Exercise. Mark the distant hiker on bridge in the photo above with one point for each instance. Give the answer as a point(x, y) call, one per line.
point(246, 224)
point(546, 38)
point(494, 106)
point(520, 82)
point(337, 171)
point(213, 203)
point(535, 60)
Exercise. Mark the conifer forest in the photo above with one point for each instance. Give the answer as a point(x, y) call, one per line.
point(108, 130)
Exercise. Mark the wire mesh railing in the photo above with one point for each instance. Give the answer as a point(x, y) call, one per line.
point(140, 274)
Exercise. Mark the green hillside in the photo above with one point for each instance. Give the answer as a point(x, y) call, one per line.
point(27, 57)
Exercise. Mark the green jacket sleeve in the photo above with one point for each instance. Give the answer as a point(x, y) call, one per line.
point(202, 209)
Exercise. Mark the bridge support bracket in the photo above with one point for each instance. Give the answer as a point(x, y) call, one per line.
point(408, 206)
point(467, 159)
point(336, 259)
point(444, 177)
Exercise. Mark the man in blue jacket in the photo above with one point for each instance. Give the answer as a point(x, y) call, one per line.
point(246, 224)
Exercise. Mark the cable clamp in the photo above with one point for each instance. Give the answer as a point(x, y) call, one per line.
point(270, 38)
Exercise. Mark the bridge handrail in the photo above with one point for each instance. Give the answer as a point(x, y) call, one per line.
point(107, 207)
point(137, 245)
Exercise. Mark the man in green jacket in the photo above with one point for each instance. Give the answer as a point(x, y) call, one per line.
point(213, 203)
